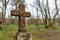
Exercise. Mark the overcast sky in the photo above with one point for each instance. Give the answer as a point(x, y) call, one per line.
point(31, 9)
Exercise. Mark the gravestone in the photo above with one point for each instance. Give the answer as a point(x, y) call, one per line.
point(22, 34)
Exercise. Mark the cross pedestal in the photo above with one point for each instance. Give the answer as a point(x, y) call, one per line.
point(21, 15)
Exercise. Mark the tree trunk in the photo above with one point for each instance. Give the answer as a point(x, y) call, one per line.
point(46, 19)
point(56, 11)
point(4, 9)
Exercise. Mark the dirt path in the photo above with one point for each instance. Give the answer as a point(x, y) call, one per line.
point(53, 35)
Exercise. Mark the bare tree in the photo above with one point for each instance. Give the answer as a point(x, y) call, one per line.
point(48, 11)
point(44, 11)
point(47, 14)
point(56, 10)
point(56, 13)
point(5, 2)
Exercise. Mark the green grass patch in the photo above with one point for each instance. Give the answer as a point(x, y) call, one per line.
point(38, 33)
point(8, 32)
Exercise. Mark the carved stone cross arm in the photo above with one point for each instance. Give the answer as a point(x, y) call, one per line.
point(16, 13)
point(28, 14)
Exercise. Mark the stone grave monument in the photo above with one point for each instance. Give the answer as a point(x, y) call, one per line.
point(22, 34)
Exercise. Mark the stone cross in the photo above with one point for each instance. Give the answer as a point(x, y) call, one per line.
point(21, 15)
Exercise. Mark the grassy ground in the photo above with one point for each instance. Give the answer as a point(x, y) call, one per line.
point(38, 33)
point(8, 32)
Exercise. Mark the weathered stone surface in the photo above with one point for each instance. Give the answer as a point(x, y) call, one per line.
point(24, 36)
